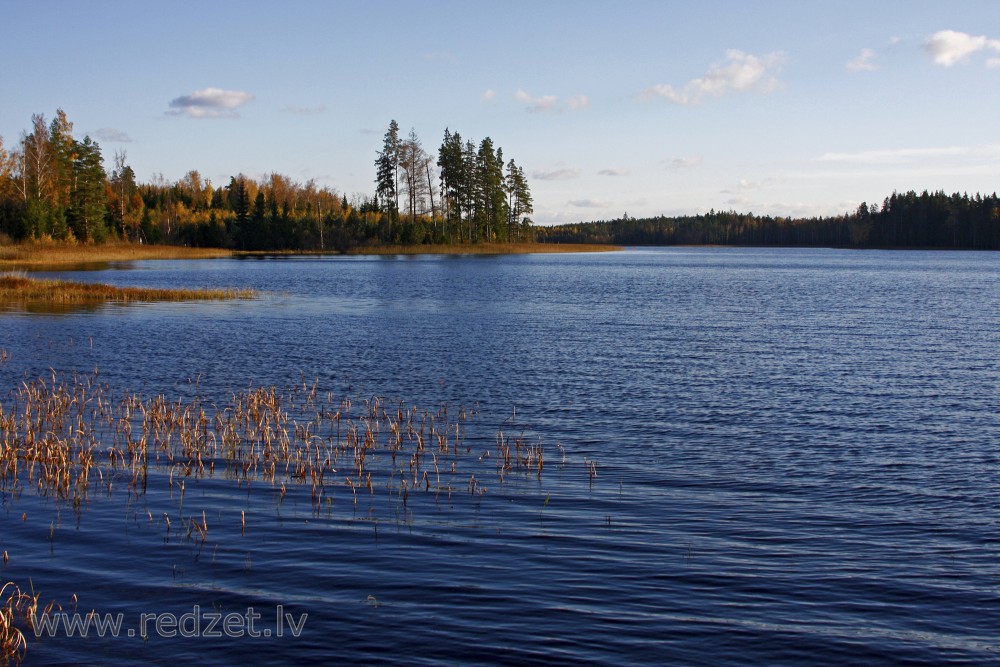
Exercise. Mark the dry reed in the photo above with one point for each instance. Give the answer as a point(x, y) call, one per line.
point(17, 609)
point(15, 288)
point(68, 437)
point(37, 255)
point(65, 438)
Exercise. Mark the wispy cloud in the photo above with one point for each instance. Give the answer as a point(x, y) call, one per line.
point(898, 155)
point(543, 103)
point(210, 103)
point(864, 62)
point(551, 102)
point(686, 162)
point(740, 73)
point(489, 95)
point(112, 135)
point(588, 203)
point(306, 111)
point(948, 47)
point(746, 185)
point(557, 175)
point(614, 171)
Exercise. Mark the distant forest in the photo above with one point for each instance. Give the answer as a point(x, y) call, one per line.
point(908, 220)
point(56, 187)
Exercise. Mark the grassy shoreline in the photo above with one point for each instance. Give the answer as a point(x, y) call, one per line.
point(34, 257)
point(29, 256)
point(20, 289)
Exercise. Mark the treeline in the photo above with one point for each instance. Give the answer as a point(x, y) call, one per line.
point(907, 220)
point(481, 198)
point(54, 186)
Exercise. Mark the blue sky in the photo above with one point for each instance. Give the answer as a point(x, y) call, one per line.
point(662, 107)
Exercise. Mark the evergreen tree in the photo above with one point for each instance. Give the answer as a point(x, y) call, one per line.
point(387, 173)
point(492, 213)
point(88, 201)
point(453, 180)
point(239, 200)
point(519, 204)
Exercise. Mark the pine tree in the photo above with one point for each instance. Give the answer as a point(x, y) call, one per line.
point(387, 173)
point(453, 177)
point(239, 200)
point(88, 199)
point(518, 201)
point(492, 199)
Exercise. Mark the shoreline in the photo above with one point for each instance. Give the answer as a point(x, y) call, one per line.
point(41, 257)
point(20, 289)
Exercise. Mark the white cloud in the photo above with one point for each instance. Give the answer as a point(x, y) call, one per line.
point(489, 95)
point(745, 185)
point(588, 203)
point(556, 175)
point(864, 62)
point(614, 171)
point(993, 62)
point(210, 103)
point(948, 47)
point(687, 162)
point(551, 102)
point(543, 103)
point(112, 135)
point(895, 155)
point(742, 72)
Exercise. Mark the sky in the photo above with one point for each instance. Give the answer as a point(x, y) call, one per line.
point(785, 108)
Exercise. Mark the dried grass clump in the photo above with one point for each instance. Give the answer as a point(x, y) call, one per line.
point(17, 609)
point(18, 288)
point(66, 438)
point(55, 255)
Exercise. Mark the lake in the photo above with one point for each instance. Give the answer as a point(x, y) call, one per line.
point(772, 456)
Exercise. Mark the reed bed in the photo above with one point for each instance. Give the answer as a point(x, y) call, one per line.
point(20, 289)
point(36, 255)
point(69, 437)
point(72, 437)
point(17, 609)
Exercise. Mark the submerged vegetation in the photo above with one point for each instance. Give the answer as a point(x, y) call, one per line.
point(73, 439)
point(17, 609)
point(69, 438)
point(20, 289)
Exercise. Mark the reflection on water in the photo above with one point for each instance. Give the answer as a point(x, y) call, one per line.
point(774, 456)
point(52, 308)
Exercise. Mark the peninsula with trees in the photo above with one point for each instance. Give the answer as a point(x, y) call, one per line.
point(56, 188)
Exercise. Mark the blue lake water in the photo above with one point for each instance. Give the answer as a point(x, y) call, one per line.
point(797, 458)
